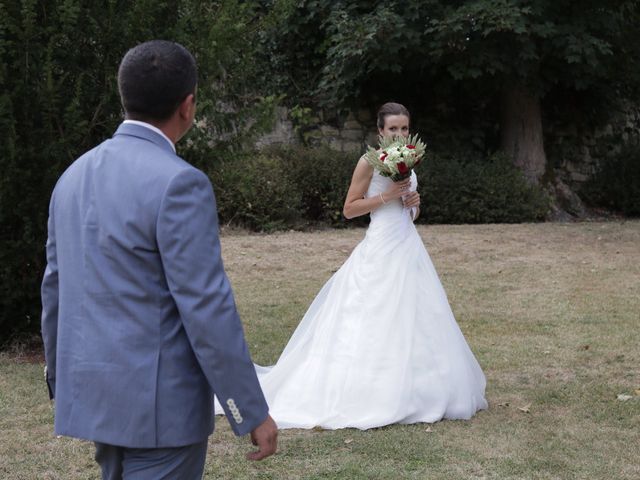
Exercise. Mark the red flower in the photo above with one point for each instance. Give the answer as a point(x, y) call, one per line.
point(411, 147)
point(402, 168)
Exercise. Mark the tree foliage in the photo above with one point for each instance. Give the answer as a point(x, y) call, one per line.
point(539, 43)
point(503, 65)
point(58, 98)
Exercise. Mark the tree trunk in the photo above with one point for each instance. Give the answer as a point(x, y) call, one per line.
point(521, 132)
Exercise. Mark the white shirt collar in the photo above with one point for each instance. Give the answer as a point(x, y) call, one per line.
point(151, 127)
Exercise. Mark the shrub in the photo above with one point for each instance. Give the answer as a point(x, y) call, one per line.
point(283, 187)
point(297, 187)
point(255, 191)
point(477, 191)
point(323, 177)
point(616, 184)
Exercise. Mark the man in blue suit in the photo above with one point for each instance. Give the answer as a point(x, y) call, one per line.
point(139, 321)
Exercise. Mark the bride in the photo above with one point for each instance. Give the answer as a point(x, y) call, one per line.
point(379, 344)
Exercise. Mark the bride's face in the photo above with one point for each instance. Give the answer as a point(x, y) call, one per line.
point(394, 126)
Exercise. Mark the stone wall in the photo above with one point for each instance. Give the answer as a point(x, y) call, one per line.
point(283, 132)
point(576, 153)
point(346, 133)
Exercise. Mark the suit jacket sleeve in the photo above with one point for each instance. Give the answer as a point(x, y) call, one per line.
point(187, 233)
point(49, 295)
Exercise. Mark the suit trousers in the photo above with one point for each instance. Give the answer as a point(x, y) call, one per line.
point(178, 463)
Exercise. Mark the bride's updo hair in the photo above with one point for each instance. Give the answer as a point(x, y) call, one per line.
point(391, 108)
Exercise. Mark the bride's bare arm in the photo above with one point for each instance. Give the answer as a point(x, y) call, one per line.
point(355, 204)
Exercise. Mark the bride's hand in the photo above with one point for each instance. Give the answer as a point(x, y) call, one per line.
point(398, 189)
point(411, 199)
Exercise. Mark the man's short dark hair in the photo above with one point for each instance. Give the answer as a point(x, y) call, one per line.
point(154, 78)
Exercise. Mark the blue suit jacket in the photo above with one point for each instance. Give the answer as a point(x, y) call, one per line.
point(139, 322)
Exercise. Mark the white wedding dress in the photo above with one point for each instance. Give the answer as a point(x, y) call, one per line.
point(379, 344)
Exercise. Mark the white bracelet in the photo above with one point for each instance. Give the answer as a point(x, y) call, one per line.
point(382, 198)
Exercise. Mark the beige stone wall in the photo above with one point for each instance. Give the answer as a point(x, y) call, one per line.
point(578, 154)
point(348, 134)
point(575, 154)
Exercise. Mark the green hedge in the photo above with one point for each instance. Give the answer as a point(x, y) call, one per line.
point(487, 190)
point(255, 191)
point(298, 187)
point(616, 184)
point(323, 177)
point(282, 188)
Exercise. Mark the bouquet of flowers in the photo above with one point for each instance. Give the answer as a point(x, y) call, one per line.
point(396, 156)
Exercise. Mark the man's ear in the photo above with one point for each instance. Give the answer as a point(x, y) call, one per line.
point(186, 107)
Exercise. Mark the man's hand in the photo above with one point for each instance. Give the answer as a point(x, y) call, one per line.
point(265, 437)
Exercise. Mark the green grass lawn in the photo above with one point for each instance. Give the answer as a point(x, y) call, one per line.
point(552, 312)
